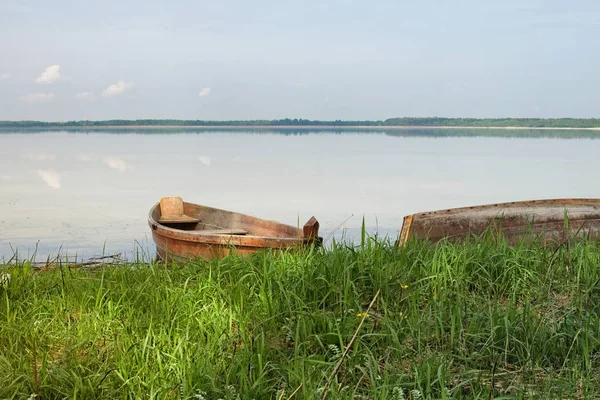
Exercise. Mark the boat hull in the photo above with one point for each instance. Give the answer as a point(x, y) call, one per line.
point(554, 220)
point(177, 242)
point(169, 248)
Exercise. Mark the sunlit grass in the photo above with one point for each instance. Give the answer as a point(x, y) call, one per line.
point(475, 320)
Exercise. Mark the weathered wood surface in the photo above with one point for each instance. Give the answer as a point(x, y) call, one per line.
point(544, 219)
point(171, 211)
point(311, 228)
point(220, 232)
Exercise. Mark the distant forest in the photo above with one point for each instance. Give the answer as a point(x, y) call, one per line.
point(405, 121)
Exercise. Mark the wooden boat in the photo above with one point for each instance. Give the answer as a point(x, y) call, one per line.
point(553, 220)
point(183, 230)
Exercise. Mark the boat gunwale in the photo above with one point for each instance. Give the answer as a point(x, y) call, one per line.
point(524, 204)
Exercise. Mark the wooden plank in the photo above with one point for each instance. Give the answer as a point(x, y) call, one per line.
point(220, 232)
point(311, 228)
point(171, 212)
point(178, 219)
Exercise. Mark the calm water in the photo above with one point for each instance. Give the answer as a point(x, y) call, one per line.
point(86, 193)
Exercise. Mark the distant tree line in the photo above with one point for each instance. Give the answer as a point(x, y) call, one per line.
point(497, 122)
point(178, 122)
point(405, 121)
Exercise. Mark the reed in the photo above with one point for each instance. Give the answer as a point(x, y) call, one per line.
point(476, 320)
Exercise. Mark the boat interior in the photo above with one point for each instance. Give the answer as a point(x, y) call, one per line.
point(174, 213)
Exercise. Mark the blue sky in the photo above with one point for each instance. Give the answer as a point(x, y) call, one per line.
point(63, 60)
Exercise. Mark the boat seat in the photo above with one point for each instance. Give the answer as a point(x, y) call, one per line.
point(171, 212)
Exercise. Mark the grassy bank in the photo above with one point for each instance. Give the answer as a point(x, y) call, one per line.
point(478, 320)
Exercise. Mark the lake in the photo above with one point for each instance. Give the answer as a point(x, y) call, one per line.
point(87, 193)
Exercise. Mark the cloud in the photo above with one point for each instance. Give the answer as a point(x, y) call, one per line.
point(37, 156)
point(204, 92)
point(50, 75)
point(117, 88)
point(4, 76)
point(116, 163)
point(5, 178)
point(51, 178)
point(33, 98)
point(85, 96)
point(204, 160)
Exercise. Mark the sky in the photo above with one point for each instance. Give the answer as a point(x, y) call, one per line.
point(352, 60)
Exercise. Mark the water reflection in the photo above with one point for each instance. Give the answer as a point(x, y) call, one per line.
point(338, 177)
point(50, 177)
point(37, 156)
point(116, 163)
point(302, 131)
point(204, 160)
point(449, 187)
point(84, 157)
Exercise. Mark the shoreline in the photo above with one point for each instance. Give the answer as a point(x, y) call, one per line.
point(301, 127)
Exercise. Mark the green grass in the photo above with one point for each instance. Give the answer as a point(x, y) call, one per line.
point(476, 320)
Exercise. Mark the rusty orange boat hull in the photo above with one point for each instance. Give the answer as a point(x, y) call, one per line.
point(547, 220)
point(219, 233)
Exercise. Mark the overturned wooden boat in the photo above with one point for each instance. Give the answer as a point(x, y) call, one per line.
point(183, 230)
point(548, 220)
